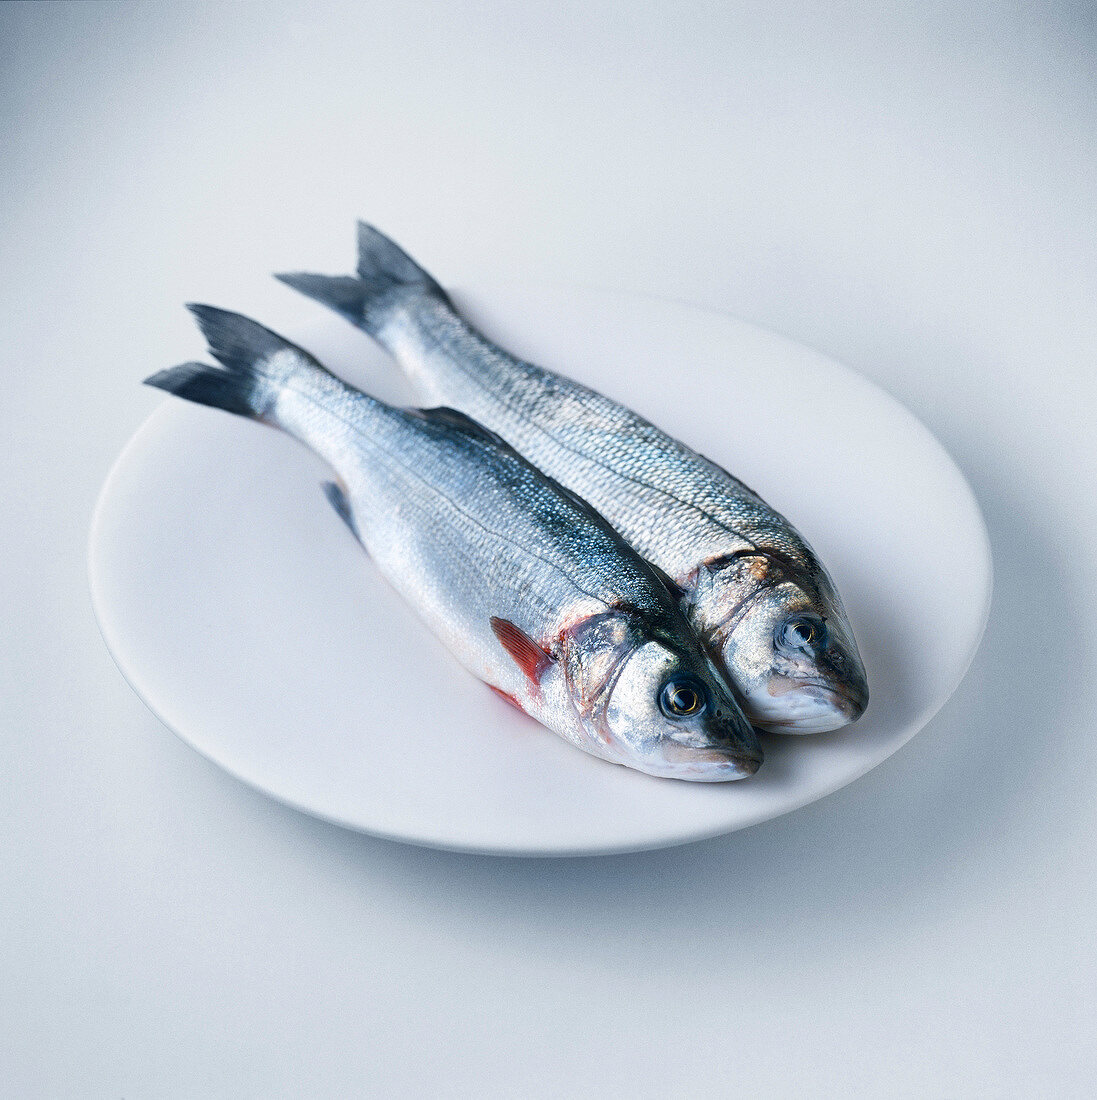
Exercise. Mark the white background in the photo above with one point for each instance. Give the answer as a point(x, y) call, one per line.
point(910, 189)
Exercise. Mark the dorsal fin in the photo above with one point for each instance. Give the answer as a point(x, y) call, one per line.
point(531, 658)
point(677, 592)
point(452, 418)
point(584, 506)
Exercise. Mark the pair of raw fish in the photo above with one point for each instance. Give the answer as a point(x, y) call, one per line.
point(524, 556)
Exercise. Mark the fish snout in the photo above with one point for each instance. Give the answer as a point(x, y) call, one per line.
point(738, 744)
point(843, 681)
point(853, 700)
point(747, 762)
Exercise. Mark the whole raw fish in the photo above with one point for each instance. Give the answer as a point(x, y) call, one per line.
point(530, 588)
point(752, 585)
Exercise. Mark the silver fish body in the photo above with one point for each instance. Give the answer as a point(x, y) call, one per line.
point(753, 587)
point(526, 584)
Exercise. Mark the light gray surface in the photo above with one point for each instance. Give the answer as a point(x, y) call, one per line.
point(910, 191)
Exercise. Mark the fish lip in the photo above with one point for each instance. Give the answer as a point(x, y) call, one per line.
point(744, 761)
point(731, 769)
point(749, 763)
point(714, 763)
point(849, 699)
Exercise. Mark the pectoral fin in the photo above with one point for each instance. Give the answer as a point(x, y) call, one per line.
point(531, 658)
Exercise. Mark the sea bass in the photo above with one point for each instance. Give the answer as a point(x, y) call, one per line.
point(525, 583)
point(752, 586)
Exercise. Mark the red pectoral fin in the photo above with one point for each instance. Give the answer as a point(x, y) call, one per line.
point(526, 653)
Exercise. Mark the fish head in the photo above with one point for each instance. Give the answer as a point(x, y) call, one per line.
point(788, 648)
point(655, 702)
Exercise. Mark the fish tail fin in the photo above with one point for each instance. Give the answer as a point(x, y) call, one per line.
point(256, 367)
point(206, 385)
point(387, 279)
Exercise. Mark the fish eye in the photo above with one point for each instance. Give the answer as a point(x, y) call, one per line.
point(801, 632)
point(682, 697)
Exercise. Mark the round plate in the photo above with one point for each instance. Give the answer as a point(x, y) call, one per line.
point(251, 622)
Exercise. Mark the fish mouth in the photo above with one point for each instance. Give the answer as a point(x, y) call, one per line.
point(747, 764)
point(824, 705)
point(710, 765)
point(845, 697)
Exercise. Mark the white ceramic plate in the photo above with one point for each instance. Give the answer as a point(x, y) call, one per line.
point(246, 616)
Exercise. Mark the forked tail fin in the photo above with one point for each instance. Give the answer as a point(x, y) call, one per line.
point(257, 366)
point(387, 279)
